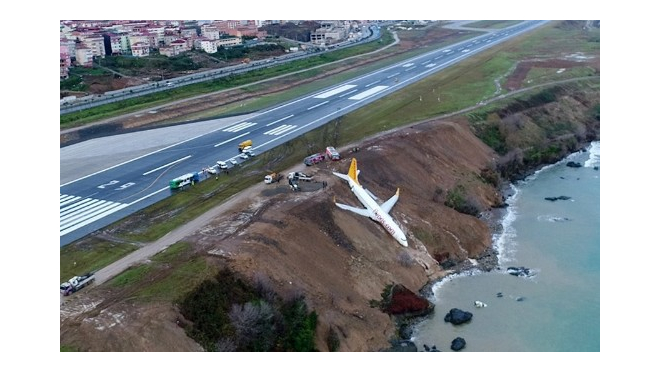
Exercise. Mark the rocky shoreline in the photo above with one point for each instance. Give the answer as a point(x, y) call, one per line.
point(485, 262)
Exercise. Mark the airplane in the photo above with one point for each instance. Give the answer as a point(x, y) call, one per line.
point(378, 213)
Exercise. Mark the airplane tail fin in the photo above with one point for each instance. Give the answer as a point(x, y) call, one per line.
point(353, 171)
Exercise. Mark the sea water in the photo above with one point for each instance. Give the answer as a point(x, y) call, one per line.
point(557, 307)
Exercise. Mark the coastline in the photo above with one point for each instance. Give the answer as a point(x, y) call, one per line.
point(489, 260)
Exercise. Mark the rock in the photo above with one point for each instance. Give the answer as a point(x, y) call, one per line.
point(519, 271)
point(573, 164)
point(457, 316)
point(596, 168)
point(426, 348)
point(520, 298)
point(402, 301)
point(447, 264)
point(405, 332)
point(557, 198)
point(402, 346)
point(458, 344)
point(499, 295)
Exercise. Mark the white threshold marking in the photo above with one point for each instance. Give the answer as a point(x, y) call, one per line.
point(166, 165)
point(229, 140)
point(332, 92)
point(369, 92)
point(280, 129)
point(240, 126)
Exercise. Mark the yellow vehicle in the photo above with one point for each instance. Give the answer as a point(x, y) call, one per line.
point(242, 145)
point(273, 178)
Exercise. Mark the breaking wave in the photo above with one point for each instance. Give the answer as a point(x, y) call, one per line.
point(594, 155)
point(505, 242)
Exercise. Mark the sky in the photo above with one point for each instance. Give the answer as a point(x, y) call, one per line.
point(32, 218)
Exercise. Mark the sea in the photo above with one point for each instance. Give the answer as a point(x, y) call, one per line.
point(554, 308)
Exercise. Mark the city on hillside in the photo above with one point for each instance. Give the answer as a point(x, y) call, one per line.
point(99, 56)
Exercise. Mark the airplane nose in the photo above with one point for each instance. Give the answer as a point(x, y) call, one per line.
point(403, 242)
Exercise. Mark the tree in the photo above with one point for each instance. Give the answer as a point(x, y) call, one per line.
point(254, 325)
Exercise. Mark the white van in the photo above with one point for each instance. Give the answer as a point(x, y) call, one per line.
point(222, 165)
point(247, 149)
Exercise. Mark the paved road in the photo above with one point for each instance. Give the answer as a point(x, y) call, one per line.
point(194, 78)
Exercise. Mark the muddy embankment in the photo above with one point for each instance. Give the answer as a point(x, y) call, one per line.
point(342, 263)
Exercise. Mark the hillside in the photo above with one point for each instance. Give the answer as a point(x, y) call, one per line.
point(298, 247)
point(301, 245)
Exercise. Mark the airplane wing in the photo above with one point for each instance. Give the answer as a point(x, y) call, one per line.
point(363, 212)
point(370, 194)
point(387, 205)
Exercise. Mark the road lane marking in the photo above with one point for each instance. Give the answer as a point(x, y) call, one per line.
point(318, 105)
point(166, 165)
point(282, 119)
point(229, 140)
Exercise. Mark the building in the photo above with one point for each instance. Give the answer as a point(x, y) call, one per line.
point(140, 49)
point(84, 56)
point(210, 32)
point(113, 43)
point(329, 32)
point(229, 42)
point(206, 45)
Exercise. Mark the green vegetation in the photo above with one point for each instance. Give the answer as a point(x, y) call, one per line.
point(228, 314)
point(131, 276)
point(90, 255)
point(68, 348)
point(538, 75)
point(75, 119)
point(177, 270)
point(458, 200)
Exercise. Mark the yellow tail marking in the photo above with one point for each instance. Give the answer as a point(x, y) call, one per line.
point(352, 171)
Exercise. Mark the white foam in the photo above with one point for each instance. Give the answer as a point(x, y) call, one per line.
point(451, 277)
point(551, 218)
point(594, 155)
point(504, 243)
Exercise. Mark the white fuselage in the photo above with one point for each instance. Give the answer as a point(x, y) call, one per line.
point(377, 214)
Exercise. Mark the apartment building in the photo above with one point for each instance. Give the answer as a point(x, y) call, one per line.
point(140, 49)
point(210, 32)
point(228, 42)
point(206, 45)
point(84, 56)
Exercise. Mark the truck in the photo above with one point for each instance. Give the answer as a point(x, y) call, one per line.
point(314, 159)
point(273, 178)
point(76, 283)
point(296, 175)
point(332, 154)
point(242, 145)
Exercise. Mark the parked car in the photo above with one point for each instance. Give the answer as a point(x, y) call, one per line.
point(244, 156)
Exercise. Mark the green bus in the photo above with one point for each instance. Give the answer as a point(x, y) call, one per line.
point(184, 180)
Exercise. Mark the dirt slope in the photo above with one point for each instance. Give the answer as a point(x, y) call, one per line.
point(301, 242)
